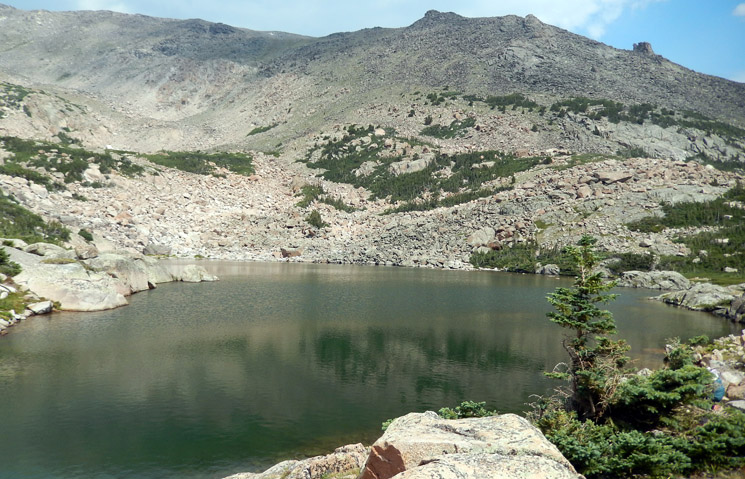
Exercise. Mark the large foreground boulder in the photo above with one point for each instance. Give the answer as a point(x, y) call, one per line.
point(424, 445)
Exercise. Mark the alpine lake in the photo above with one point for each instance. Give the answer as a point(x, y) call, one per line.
point(279, 361)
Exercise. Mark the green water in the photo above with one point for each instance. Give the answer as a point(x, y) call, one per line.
point(278, 361)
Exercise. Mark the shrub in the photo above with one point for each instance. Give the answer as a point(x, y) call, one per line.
point(8, 267)
point(621, 262)
point(309, 193)
point(204, 163)
point(455, 129)
point(261, 129)
point(315, 220)
point(466, 409)
point(18, 222)
point(86, 235)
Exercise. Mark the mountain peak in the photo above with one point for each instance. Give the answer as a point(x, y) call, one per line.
point(435, 17)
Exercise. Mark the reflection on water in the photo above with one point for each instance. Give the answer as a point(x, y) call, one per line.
point(279, 360)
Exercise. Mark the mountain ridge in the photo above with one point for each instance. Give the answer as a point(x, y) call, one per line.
point(493, 55)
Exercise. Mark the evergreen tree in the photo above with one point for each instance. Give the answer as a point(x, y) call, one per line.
point(595, 361)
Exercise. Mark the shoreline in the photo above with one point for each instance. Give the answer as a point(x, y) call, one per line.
point(662, 281)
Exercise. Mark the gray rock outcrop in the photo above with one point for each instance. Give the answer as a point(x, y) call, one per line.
point(700, 297)
point(130, 271)
point(736, 310)
point(99, 283)
point(548, 269)
point(74, 287)
point(194, 274)
point(666, 280)
point(421, 445)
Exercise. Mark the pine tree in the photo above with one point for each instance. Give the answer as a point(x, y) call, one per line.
point(596, 361)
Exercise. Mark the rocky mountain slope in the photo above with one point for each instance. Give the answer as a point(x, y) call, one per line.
point(484, 134)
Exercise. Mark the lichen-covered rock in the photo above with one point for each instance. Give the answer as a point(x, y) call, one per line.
point(344, 463)
point(489, 466)
point(505, 444)
point(666, 280)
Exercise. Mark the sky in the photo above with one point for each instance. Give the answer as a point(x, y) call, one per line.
point(707, 36)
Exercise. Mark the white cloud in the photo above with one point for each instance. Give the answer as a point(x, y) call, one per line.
point(103, 5)
point(739, 10)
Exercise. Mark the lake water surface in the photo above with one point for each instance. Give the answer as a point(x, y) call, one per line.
point(279, 361)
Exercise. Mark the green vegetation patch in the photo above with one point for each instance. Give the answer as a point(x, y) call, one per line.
point(456, 129)
point(8, 267)
point(14, 301)
point(615, 112)
point(420, 190)
point(466, 409)
point(522, 258)
point(312, 193)
point(514, 100)
point(439, 98)
point(18, 222)
point(16, 170)
point(723, 247)
point(204, 163)
point(11, 96)
point(314, 219)
point(620, 262)
point(71, 161)
point(261, 129)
